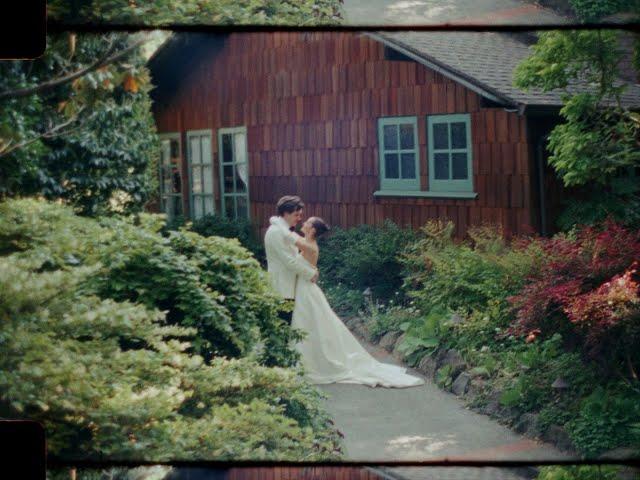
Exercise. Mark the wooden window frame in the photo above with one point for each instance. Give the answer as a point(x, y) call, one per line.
point(222, 162)
point(450, 186)
point(395, 184)
point(201, 196)
point(161, 166)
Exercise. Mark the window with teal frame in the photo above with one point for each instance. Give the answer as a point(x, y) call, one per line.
point(170, 174)
point(399, 154)
point(200, 157)
point(234, 172)
point(449, 152)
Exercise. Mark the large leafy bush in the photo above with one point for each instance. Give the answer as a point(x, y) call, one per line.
point(465, 276)
point(112, 378)
point(92, 141)
point(587, 289)
point(221, 226)
point(365, 256)
point(212, 284)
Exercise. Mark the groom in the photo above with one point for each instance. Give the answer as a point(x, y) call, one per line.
point(283, 263)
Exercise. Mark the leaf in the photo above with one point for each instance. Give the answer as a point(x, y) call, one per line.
point(130, 84)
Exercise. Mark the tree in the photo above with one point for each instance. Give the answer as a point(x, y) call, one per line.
point(208, 12)
point(597, 148)
point(108, 375)
point(76, 124)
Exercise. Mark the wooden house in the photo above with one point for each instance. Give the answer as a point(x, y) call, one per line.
point(404, 125)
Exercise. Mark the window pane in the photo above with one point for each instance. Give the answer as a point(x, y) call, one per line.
point(240, 148)
point(175, 149)
point(228, 178)
point(241, 177)
point(406, 136)
point(165, 152)
point(408, 164)
point(167, 184)
point(440, 136)
point(390, 133)
point(229, 207)
point(206, 149)
point(207, 176)
point(176, 204)
point(176, 180)
point(194, 142)
point(227, 148)
point(459, 166)
point(243, 210)
point(196, 179)
point(197, 207)
point(441, 167)
point(459, 135)
point(208, 204)
point(391, 165)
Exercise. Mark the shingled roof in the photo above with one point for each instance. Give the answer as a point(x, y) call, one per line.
point(485, 61)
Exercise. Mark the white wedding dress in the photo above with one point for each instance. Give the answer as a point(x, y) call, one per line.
point(330, 353)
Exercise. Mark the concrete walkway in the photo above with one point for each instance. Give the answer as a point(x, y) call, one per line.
point(453, 12)
point(421, 424)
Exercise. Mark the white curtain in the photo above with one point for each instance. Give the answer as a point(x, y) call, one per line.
point(240, 151)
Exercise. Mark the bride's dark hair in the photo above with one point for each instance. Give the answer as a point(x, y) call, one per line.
point(319, 225)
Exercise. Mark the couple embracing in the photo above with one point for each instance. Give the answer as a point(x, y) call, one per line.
point(329, 353)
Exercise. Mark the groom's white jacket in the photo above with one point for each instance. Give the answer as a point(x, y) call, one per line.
point(283, 261)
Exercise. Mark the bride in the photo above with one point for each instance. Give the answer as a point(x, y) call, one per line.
point(330, 353)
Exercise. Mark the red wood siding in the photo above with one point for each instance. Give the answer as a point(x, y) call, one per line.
point(310, 102)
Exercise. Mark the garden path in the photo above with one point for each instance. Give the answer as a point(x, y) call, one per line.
point(425, 423)
point(426, 12)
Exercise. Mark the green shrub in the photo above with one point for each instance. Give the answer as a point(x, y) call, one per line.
point(221, 226)
point(212, 283)
point(605, 421)
point(423, 334)
point(382, 320)
point(529, 371)
point(481, 329)
point(108, 379)
point(111, 377)
point(579, 472)
point(465, 276)
point(344, 301)
point(365, 256)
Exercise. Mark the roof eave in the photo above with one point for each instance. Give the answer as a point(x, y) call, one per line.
point(446, 71)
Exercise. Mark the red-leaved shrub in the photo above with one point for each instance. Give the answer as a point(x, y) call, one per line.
point(604, 315)
point(587, 286)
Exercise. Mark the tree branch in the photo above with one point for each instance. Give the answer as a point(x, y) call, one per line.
point(53, 132)
point(106, 59)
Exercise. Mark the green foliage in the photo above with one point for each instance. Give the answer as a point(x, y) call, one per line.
point(464, 276)
point(605, 421)
point(481, 328)
point(594, 10)
point(579, 472)
point(220, 12)
point(91, 142)
point(221, 226)
point(365, 256)
point(343, 300)
point(444, 376)
point(156, 472)
point(392, 318)
point(529, 371)
point(111, 377)
point(423, 334)
point(594, 204)
point(596, 145)
point(211, 284)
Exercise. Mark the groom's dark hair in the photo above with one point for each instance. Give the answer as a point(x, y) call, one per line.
point(289, 204)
